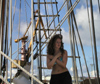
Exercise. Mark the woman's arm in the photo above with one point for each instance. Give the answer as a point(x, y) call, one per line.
point(64, 61)
point(51, 60)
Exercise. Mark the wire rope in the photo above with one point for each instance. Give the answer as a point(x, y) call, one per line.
point(82, 49)
point(62, 21)
point(90, 35)
point(73, 53)
point(19, 27)
point(46, 14)
point(26, 13)
point(99, 6)
point(94, 41)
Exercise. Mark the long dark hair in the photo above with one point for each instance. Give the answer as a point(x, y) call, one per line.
point(51, 43)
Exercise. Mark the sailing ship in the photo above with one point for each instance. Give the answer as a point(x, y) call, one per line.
point(44, 18)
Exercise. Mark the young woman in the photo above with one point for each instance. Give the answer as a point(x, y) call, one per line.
point(57, 60)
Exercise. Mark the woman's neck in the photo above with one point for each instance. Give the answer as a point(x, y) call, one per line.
point(57, 50)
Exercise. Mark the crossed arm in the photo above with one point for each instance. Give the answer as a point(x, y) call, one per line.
point(52, 59)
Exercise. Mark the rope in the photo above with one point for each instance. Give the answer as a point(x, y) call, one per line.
point(53, 14)
point(5, 29)
point(82, 49)
point(26, 13)
point(12, 23)
point(69, 23)
point(28, 4)
point(73, 49)
point(55, 17)
point(14, 14)
point(7, 14)
point(79, 58)
point(99, 6)
point(19, 27)
point(62, 21)
point(57, 10)
point(0, 33)
point(94, 41)
point(21, 67)
point(90, 35)
point(46, 14)
point(4, 80)
point(10, 37)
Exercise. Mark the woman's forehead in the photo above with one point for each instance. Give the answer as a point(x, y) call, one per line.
point(58, 39)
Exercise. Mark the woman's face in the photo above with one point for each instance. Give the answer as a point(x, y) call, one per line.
point(58, 43)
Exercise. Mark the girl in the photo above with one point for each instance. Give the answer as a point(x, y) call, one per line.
point(57, 60)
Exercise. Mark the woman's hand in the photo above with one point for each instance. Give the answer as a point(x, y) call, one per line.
point(58, 55)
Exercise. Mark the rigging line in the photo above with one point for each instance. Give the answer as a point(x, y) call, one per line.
point(94, 41)
point(70, 35)
point(45, 26)
point(99, 6)
point(79, 58)
point(28, 4)
point(81, 45)
point(26, 13)
point(5, 48)
point(1, 35)
point(46, 17)
point(69, 23)
point(82, 49)
point(4, 80)
point(55, 17)
point(19, 27)
point(57, 12)
point(78, 55)
point(62, 21)
point(64, 18)
point(24, 70)
point(52, 13)
point(7, 14)
point(14, 13)
point(5, 38)
point(90, 35)
point(12, 23)
point(10, 37)
point(73, 35)
point(4, 41)
point(5, 28)
point(73, 54)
